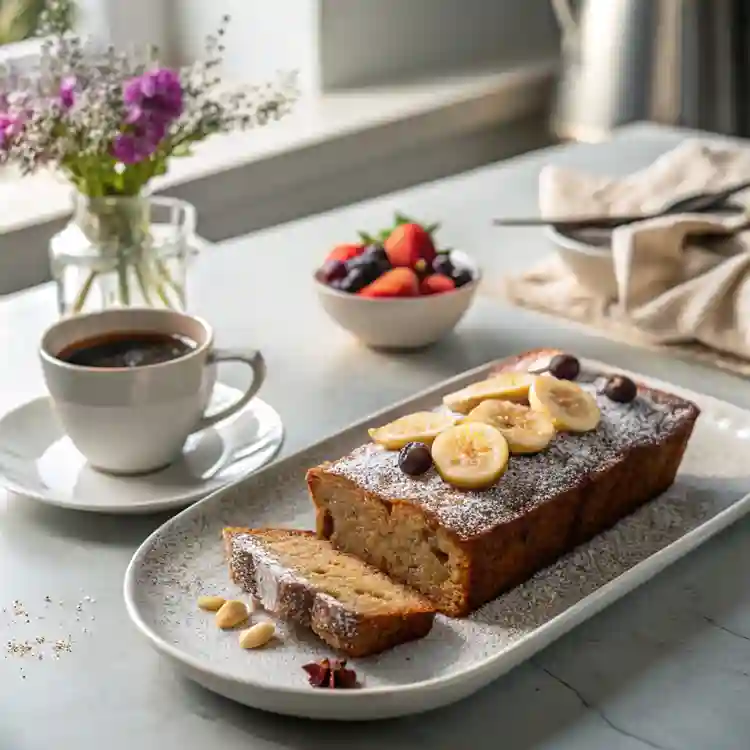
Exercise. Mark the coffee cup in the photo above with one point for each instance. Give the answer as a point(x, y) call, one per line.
point(129, 385)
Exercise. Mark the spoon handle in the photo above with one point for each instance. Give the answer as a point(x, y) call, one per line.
point(612, 222)
point(698, 203)
point(584, 222)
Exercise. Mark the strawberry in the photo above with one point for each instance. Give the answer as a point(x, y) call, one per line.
point(436, 283)
point(409, 243)
point(345, 252)
point(398, 282)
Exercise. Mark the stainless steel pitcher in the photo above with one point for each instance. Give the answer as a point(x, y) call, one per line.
point(677, 62)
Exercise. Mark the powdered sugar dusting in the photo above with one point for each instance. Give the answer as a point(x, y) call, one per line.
point(185, 559)
point(341, 620)
point(268, 574)
point(529, 480)
point(287, 592)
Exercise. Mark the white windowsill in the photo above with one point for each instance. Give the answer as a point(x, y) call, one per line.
point(21, 55)
point(45, 197)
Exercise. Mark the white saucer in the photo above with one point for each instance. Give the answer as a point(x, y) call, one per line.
point(38, 460)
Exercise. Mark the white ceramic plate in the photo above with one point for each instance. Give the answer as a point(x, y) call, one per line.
point(38, 460)
point(184, 559)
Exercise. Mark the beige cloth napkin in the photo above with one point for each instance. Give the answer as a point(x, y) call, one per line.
point(673, 288)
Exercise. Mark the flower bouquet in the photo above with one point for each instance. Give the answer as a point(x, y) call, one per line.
point(110, 122)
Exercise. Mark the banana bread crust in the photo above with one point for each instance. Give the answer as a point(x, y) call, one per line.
point(291, 597)
point(545, 505)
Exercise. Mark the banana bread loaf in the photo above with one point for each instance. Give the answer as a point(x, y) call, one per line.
point(462, 548)
point(345, 602)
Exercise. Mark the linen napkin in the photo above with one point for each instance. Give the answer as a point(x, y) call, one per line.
point(680, 281)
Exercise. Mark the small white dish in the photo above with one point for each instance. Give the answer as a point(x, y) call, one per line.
point(588, 255)
point(38, 460)
point(401, 322)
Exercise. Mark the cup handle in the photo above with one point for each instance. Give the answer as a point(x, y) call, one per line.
point(251, 357)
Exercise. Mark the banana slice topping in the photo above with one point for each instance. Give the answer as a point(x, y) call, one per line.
point(470, 456)
point(526, 430)
point(568, 406)
point(507, 386)
point(421, 427)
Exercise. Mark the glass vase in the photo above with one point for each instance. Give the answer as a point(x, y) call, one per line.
point(123, 252)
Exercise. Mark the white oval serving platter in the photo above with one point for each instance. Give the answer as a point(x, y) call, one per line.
point(184, 559)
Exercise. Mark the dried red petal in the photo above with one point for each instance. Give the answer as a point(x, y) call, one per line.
point(346, 678)
point(317, 672)
point(330, 674)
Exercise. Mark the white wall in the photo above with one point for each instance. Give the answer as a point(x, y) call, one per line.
point(264, 36)
point(127, 24)
point(374, 41)
point(344, 43)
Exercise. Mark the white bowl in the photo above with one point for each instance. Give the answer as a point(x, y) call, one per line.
point(400, 322)
point(588, 256)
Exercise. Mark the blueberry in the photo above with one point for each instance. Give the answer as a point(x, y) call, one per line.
point(621, 389)
point(369, 267)
point(443, 264)
point(355, 280)
point(414, 459)
point(373, 271)
point(374, 259)
point(332, 270)
point(462, 276)
point(357, 262)
point(377, 254)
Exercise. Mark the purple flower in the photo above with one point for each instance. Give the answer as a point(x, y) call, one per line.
point(10, 127)
point(68, 91)
point(155, 96)
point(125, 149)
point(138, 143)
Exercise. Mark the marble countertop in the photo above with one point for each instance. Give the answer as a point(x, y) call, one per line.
point(666, 667)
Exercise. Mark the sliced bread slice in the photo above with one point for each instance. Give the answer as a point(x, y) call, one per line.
point(350, 605)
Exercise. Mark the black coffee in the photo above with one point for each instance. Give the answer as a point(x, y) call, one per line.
point(127, 349)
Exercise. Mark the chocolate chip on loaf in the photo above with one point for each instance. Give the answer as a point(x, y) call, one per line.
point(561, 366)
point(621, 389)
point(415, 459)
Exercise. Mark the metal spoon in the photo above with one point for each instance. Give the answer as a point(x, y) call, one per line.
point(698, 203)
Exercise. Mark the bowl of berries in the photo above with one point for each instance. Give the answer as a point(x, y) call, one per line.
point(396, 289)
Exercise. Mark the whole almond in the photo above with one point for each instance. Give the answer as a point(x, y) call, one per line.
point(231, 614)
point(211, 603)
point(257, 635)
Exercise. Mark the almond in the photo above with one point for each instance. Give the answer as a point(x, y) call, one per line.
point(231, 614)
point(211, 603)
point(257, 635)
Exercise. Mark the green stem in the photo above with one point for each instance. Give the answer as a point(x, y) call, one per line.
point(122, 281)
point(84, 291)
point(121, 229)
point(140, 274)
point(162, 295)
point(155, 284)
point(163, 271)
